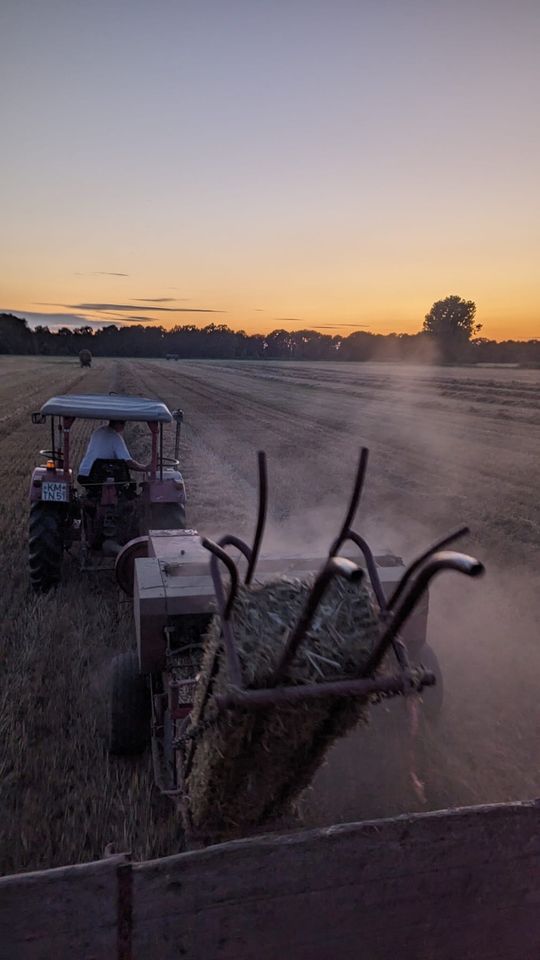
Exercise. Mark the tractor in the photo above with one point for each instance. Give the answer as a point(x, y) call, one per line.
point(110, 509)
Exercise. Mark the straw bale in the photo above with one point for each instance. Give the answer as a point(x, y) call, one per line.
point(246, 767)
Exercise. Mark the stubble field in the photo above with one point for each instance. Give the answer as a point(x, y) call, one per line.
point(447, 446)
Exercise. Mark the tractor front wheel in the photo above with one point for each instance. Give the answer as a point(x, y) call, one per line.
point(129, 706)
point(46, 545)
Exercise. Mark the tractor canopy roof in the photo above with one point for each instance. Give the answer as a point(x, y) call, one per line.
point(107, 407)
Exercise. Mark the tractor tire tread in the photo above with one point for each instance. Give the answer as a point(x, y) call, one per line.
point(129, 731)
point(45, 545)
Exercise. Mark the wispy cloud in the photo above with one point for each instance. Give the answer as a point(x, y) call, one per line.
point(100, 307)
point(161, 299)
point(101, 273)
point(338, 326)
point(288, 320)
point(107, 307)
point(137, 319)
point(318, 326)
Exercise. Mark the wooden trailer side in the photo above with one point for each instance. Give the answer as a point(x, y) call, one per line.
point(460, 885)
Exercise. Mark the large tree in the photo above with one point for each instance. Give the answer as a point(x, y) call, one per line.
point(451, 324)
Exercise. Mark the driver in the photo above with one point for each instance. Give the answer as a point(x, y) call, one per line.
point(107, 443)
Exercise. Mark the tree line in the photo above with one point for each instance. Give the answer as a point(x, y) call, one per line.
point(449, 334)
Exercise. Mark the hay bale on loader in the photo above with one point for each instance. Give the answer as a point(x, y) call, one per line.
point(245, 766)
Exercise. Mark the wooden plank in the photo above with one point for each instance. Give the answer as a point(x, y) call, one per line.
point(70, 912)
point(462, 884)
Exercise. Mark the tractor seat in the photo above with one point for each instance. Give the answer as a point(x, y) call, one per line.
point(101, 471)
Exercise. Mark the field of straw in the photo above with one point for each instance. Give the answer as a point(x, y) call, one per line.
point(447, 446)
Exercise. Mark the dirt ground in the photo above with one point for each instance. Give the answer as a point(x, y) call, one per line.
point(446, 446)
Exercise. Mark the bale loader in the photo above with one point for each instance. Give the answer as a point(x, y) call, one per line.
point(249, 666)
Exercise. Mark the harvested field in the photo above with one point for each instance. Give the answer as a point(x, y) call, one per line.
point(447, 446)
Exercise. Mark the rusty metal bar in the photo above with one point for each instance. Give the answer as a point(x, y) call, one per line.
point(416, 564)
point(231, 541)
point(218, 553)
point(445, 560)
point(353, 505)
point(274, 696)
point(334, 567)
point(225, 605)
point(261, 515)
point(370, 564)
point(178, 416)
point(400, 649)
point(154, 431)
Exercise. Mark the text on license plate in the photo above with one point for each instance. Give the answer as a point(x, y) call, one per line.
point(54, 491)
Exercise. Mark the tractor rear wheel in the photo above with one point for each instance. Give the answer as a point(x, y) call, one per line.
point(46, 545)
point(130, 706)
point(167, 516)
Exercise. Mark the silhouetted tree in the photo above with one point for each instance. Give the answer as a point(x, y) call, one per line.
point(449, 325)
point(15, 336)
point(450, 322)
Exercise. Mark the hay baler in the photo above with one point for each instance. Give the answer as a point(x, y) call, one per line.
point(169, 690)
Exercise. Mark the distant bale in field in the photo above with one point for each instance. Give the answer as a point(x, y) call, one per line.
point(85, 358)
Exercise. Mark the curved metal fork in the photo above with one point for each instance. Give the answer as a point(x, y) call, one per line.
point(445, 560)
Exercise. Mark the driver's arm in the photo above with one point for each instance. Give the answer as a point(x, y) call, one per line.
point(123, 453)
point(141, 467)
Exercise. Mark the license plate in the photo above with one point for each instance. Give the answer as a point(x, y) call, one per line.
point(186, 691)
point(58, 492)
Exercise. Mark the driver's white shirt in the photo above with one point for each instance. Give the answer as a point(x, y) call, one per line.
point(105, 444)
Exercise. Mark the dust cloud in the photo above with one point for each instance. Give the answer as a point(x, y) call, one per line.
point(438, 459)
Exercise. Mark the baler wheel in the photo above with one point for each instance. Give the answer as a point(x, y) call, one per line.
point(46, 545)
point(129, 706)
point(167, 516)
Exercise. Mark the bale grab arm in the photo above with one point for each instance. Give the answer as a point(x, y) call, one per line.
point(394, 612)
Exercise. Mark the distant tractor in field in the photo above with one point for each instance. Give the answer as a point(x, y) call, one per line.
point(85, 358)
point(104, 510)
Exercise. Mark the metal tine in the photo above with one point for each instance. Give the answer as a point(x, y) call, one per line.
point(445, 560)
point(334, 567)
point(400, 649)
point(225, 606)
point(218, 553)
point(261, 515)
point(353, 505)
point(231, 541)
point(414, 566)
point(370, 564)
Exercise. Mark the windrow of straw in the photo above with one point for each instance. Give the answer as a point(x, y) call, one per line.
point(243, 767)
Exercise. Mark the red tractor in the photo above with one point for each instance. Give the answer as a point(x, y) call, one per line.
point(110, 508)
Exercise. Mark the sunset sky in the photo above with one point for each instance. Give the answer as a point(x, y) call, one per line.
point(270, 163)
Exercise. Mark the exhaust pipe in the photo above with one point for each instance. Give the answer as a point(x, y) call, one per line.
point(178, 415)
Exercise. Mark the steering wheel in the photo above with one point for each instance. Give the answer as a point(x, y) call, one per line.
point(52, 454)
point(171, 461)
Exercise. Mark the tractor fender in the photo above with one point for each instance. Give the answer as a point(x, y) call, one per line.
point(169, 490)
